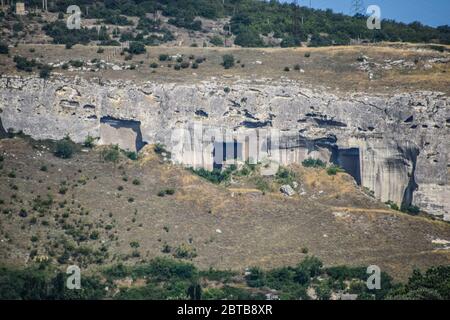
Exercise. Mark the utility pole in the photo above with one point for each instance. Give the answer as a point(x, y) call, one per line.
point(357, 7)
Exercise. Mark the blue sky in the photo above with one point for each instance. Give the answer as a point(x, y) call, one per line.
point(430, 12)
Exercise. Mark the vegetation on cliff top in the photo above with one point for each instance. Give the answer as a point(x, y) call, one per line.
point(249, 20)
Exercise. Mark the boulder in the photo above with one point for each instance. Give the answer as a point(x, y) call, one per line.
point(287, 190)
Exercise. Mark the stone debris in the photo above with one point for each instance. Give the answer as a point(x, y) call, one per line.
point(341, 214)
point(92, 66)
point(439, 60)
point(287, 190)
point(440, 242)
point(372, 68)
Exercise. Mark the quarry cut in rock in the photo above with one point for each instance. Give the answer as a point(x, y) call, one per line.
point(395, 145)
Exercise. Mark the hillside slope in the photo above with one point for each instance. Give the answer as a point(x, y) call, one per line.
point(87, 211)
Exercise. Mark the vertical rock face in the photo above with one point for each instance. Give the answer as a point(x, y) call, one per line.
point(387, 168)
point(397, 145)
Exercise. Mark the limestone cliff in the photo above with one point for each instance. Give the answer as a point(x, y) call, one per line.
point(396, 145)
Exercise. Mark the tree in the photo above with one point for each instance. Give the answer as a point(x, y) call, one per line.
point(217, 41)
point(136, 48)
point(255, 278)
point(311, 265)
point(249, 38)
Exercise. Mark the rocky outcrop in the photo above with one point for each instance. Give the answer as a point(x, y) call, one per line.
point(396, 145)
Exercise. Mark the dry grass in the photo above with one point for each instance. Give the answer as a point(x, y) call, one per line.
point(267, 230)
point(333, 68)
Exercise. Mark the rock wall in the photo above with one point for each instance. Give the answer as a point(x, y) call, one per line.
point(401, 140)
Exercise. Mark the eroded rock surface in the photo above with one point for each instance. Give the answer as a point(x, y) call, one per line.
point(395, 145)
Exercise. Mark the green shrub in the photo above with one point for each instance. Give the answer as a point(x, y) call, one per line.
point(313, 163)
point(164, 192)
point(261, 184)
point(166, 248)
point(216, 175)
point(24, 64)
point(134, 244)
point(94, 235)
point(163, 57)
point(136, 182)
point(249, 38)
point(170, 191)
point(200, 60)
point(89, 142)
point(185, 251)
point(284, 176)
point(228, 61)
point(216, 40)
point(131, 155)
point(137, 48)
point(333, 170)
point(161, 193)
point(45, 72)
point(111, 153)
point(62, 190)
point(392, 205)
point(323, 291)
point(4, 48)
point(76, 63)
point(255, 278)
point(64, 148)
point(411, 209)
point(160, 148)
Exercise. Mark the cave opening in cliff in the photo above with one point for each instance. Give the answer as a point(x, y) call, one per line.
point(224, 151)
point(411, 154)
point(127, 133)
point(348, 159)
point(3, 133)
